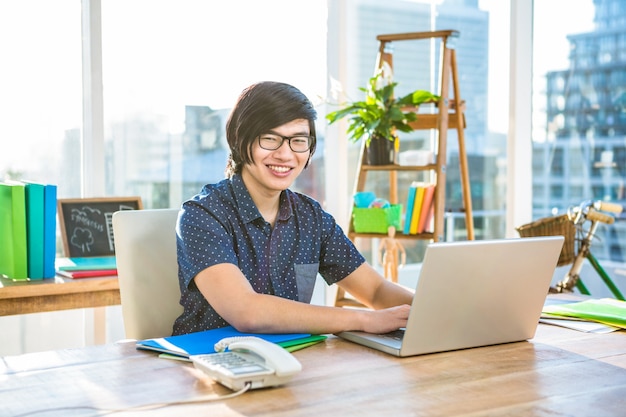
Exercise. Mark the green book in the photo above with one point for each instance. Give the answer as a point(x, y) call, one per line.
point(13, 256)
point(35, 229)
point(41, 206)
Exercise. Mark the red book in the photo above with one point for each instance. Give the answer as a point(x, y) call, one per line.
point(88, 273)
point(429, 218)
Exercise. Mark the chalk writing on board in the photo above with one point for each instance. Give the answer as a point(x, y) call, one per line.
point(87, 224)
point(90, 221)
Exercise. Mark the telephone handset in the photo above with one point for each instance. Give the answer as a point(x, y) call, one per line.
point(248, 360)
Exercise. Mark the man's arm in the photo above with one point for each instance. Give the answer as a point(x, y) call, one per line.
point(230, 294)
point(370, 288)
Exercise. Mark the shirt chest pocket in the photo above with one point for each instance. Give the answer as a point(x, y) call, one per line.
point(306, 275)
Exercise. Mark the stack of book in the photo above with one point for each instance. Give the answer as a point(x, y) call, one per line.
point(419, 208)
point(87, 267)
point(27, 230)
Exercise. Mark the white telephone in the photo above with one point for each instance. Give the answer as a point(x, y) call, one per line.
point(249, 360)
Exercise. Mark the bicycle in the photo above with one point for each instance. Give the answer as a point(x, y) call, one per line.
point(578, 240)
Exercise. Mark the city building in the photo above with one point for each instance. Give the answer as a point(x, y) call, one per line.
point(584, 154)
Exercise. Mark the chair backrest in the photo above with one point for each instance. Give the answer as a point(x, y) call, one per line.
point(145, 250)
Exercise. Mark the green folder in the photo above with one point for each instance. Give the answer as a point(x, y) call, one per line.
point(606, 310)
point(297, 344)
point(13, 256)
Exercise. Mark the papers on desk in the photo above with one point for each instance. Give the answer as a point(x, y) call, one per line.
point(596, 316)
point(580, 325)
point(203, 342)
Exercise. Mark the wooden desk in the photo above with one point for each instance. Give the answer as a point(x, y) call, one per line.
point(560, 372)
point(22, 297)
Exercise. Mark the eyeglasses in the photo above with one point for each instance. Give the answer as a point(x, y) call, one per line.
point(297, 143)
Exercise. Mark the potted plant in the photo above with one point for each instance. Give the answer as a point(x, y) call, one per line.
point(380, 116)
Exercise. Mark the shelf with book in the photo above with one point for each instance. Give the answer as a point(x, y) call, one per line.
point(416, 217)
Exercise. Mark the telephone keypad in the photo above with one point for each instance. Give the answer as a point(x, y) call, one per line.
point(231, 362)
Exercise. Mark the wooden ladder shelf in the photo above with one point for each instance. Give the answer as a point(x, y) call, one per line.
point(450, 114)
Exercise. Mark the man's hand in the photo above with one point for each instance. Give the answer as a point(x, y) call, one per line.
point(386, 320)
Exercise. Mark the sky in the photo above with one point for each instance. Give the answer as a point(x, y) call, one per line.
point(552, 26)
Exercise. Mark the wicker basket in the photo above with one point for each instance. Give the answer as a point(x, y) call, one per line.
point(554, 226)
point(376, 220)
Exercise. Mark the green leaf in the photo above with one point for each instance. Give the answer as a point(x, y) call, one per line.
point(380, 113)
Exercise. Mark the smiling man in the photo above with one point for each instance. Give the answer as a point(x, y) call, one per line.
point(250, 249)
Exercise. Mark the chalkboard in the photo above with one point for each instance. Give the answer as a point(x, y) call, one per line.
point(86, 226)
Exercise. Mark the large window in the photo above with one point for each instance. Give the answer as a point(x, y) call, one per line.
point(173, 69)
point(579, 128)
point(41, 92)
point(40, 134)
point(482, 64)
point(170, 72)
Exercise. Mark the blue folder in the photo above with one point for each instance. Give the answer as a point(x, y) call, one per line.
point(199, 343)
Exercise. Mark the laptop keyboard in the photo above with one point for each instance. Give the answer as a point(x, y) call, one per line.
point(396, 334)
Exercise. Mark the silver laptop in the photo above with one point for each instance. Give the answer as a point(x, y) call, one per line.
point(473, 293)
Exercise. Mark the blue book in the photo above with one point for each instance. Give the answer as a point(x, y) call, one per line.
point(86, 263)
point(410, 201)
point(41, 217)
point(203, 342)
point(49, 230)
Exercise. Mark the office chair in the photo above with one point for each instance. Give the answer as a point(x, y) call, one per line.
point(145, 250)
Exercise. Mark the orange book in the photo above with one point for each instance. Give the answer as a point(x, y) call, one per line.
point(427, 207)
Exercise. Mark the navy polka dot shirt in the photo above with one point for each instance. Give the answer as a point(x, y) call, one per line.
point(223, 225)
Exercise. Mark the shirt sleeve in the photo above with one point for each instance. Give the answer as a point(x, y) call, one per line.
point(202, 241)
